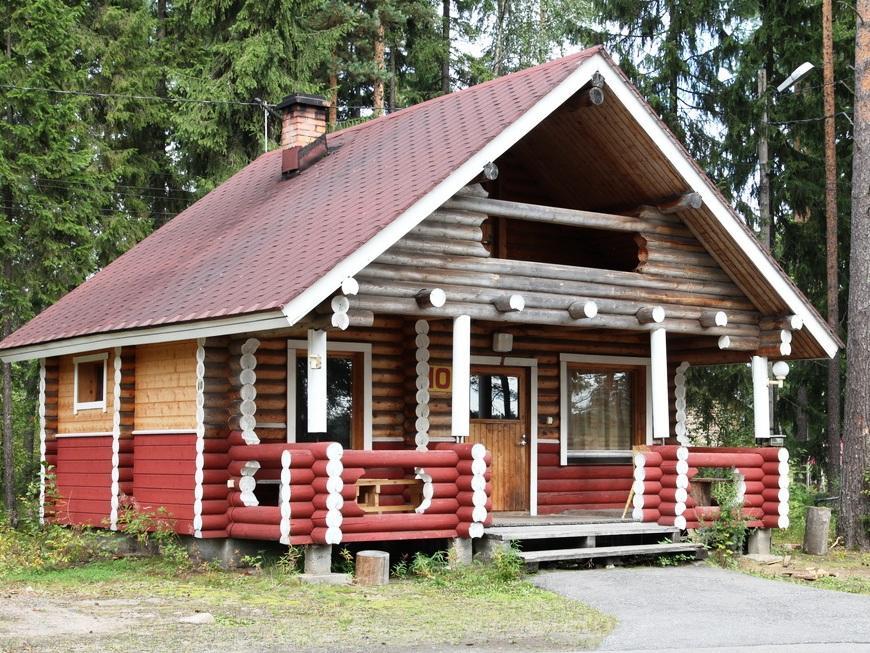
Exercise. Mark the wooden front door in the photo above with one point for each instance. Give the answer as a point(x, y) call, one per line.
point(499, 405)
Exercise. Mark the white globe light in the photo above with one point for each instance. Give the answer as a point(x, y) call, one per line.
point(780, 369)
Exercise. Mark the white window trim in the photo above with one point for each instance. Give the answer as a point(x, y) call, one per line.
point(331, 346)
point(564, 360)
point(88, 405)
point(532, 364)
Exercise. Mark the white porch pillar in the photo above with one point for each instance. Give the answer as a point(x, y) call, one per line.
point(659, 379)
point(461, 375)
point(316, 381)
point(760, 397)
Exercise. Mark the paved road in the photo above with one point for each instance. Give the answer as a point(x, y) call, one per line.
point(704, 608)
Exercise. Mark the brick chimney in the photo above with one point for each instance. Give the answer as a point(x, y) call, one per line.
point(304, 119)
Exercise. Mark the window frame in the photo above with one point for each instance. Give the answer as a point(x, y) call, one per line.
point(89, 405)
point(596, 364)
point(333, 347)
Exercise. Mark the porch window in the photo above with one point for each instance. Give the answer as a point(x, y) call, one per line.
point(603, 410)
point(348, 394)
point(89, 384)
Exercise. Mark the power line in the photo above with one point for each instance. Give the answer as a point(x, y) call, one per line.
point(150, 98)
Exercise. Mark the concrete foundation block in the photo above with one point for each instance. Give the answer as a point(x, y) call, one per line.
point(759, 542)
point(486, 548)
point(326, 579)
point(460, 552)
point(318, 559)
point(227, 552)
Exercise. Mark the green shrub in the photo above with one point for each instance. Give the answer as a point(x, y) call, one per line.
point(724, 537)
point(154, 531)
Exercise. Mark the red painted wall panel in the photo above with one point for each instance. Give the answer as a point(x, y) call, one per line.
point(163, 476)
point(83, 474)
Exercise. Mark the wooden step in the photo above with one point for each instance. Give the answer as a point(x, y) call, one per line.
point(610, 551)
point(556, 531)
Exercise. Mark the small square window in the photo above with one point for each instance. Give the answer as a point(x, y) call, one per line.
point(90, 382)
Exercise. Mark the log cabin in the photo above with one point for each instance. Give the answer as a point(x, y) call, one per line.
point(477, 309)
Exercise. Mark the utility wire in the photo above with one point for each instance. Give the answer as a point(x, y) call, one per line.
point(155, 98)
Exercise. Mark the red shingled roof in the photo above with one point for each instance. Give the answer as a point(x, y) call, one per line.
point(257, 241)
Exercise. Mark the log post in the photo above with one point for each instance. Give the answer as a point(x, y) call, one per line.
point(760, 398)
point(650, 315)
point(583, 310)
point(431, 298)
point(816, 533)
point(710, 319)
point(461, 376)
point(659, 378)
point(316, 381)
point(372, 568)
point(509, 303)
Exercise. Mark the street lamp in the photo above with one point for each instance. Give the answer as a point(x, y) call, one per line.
point(764, 173)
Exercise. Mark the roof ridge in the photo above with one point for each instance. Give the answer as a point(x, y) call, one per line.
point(582, 54)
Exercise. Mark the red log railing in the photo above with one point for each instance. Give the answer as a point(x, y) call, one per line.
point(440, 493)
point(663, 482)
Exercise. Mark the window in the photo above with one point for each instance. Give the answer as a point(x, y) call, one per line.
point(348, 395)
point(494, 396)
point(603, 407)
point(89, 382)
point(560, 244)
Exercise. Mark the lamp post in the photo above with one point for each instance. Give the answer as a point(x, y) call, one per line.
point(763, 162)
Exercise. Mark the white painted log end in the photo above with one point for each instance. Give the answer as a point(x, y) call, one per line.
point(340, 321)
point(350, 286)
point(431, 298)
point(795, 322)
point(340, 304)
point(510, 303)
point(680, 522)
point(724, 342)
point(583, 310)
point(651, 315)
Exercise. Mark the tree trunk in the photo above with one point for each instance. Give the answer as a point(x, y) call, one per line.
point(831, 244)
point(333, 92)
point(391, 103)
point(498, 47)
point(8, 443)
point(445, 35)
point(855, 503)
point(380, 67)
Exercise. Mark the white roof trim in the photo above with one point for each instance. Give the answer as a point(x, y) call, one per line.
point(167, 333)
point(300, 306)
point(721, 211)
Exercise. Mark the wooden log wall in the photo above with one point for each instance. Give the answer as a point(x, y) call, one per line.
point(450, 250)
point(165, 386)
point(127, 414)
point(164, 467)
point(51, 419)
point(84, 480)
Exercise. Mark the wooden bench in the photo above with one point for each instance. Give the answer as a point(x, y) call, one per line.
point(368, 494)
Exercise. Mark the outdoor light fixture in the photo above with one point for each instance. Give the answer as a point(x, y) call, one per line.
point(780, 371)
point(797, 74)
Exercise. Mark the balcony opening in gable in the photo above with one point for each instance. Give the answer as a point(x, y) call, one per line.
point(560, 244)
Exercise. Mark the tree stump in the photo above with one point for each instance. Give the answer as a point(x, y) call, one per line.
point(372, 568)
point(816, 533)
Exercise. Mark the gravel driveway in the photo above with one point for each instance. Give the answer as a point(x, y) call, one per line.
point(704, 608)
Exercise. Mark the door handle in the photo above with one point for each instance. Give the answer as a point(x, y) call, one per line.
point(523, 441)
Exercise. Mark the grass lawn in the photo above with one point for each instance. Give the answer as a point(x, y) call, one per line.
point(136, 605)
point(840, 570)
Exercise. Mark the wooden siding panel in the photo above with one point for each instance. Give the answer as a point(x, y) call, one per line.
point(165, 387)
point(84, 480)
point(91, 420)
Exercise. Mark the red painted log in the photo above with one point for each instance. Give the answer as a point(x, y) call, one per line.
point(590, 485)
point(557, 508)
point(255, 531)
point(774, 507)
point(725, 460)
point(398, 523)
point(271, 452)
point(667, 451)
point(583, 471)
point(668, 494)
point(464, 468)
point(469, 530)
point(398, 458)
point(214, 522)
point(214, 491)
point(751, 473)
point(214, 506)
point(650, 458)
point(214, 534)
point(775, 521)
point(754, 487)
point(672, 508)
point(581, 498)
point(651, 501)
point(464, 484)
point(673, 467)
point(772, 468)
point(773, 494)
point(442, 507)
point(444, 490)
point(649, 515)
point(652, 474)
point(649, 487)
point(442, 474)
point(398, 536)
point(774, 481)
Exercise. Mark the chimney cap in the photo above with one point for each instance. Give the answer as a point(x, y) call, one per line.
point(303, 99)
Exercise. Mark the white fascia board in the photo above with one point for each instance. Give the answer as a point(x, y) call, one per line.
point(168, 333)
point(721, 211)
point(299, 307)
